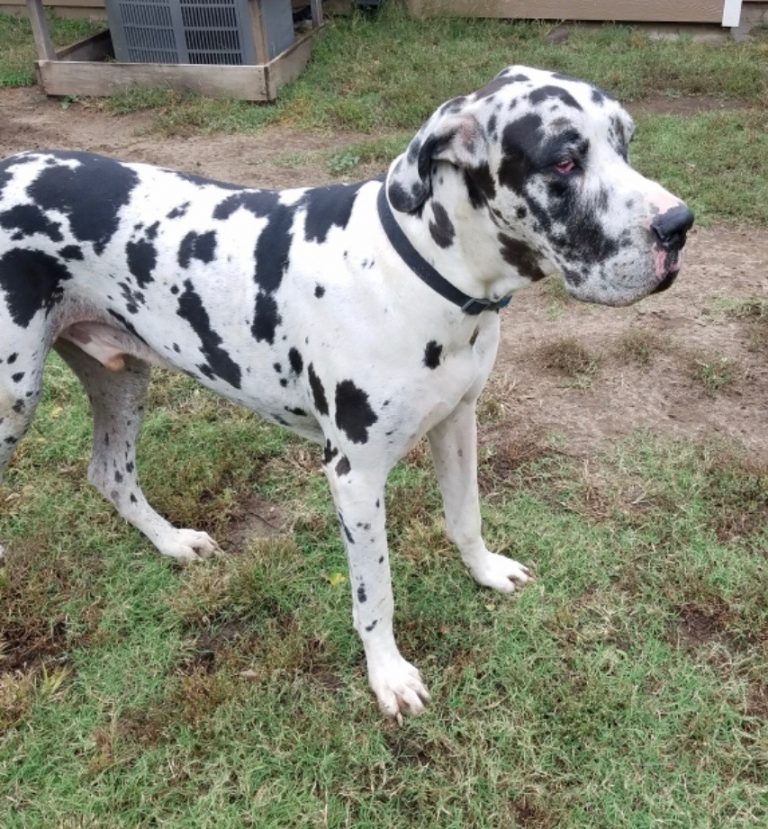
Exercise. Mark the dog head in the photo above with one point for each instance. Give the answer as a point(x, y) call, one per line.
point(544, 161)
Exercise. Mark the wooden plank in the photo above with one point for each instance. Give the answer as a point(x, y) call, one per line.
point(317, 13)
point(40, 31)
point(95, 47)
point(68, 77)
point(287, 66)
point(656, 11)
point(13, 5)
point(259, 31)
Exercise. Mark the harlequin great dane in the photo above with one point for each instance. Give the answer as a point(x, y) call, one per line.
point(360, 316)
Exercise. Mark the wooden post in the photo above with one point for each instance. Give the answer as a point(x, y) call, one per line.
point(317, 13)
point(259, 32)
point(40, 32)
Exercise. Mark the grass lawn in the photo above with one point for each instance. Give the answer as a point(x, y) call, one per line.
point(626, 688)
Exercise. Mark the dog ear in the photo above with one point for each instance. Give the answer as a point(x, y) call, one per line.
point(455, 138)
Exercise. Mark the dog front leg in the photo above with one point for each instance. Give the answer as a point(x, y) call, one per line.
point(359, 502)
point(454, 450)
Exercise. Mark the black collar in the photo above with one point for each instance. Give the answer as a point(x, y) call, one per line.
point(419, 265)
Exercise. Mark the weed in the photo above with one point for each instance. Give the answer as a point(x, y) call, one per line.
point(343, 162)
point(639, 345)
point(714, 375)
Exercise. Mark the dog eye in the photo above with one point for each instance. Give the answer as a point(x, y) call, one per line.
point(566, 166)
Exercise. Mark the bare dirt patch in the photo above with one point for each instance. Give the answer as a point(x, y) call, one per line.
point(661, 392)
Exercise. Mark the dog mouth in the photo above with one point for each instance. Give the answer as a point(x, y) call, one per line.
point(666, 282)
point(667, 268)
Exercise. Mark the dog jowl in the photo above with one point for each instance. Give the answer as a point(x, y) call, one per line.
point(363, 317)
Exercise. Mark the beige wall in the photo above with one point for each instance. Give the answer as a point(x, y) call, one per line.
point(678, 11)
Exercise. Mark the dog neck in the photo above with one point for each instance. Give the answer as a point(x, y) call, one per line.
point(460, 241)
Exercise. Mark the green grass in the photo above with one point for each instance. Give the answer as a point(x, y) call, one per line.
point(17, 49)
point(716, 161)
point(387, 72)
point(626, 688)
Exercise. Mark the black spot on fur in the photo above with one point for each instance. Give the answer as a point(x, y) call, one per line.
point(520, 141)
point(353, 412)
point(343, 466)
point(543, 93)
point(294, 358)
point(18, 377)
point(71, 252)
point(207, 182)
point(481, 187)
point(179, 211)
point(272, 248)
point(326, 207)
point(318, 392)
point(142, 258)
point(201, 246)
point(319, 291)
point(329, 452)
point(91, 194)
point(441, 228)
point(345, 528)
point(31, 281)
point(132, 298)
point(497, 84)
point(28, 219)
point(220, 363)
point(266, 318)
point(432, 354)
point(521, 257)
point(259, 202)
point(361, 597)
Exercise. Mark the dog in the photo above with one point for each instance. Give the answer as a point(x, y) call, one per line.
point(361, 316)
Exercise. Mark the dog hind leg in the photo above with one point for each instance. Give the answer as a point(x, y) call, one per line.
point(22, 358)
point(117, 403)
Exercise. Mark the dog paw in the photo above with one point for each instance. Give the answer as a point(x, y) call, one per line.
point(500, 573)
point(398, 688)
point(188, 545)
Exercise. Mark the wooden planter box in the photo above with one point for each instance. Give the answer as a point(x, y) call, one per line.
point(88, 68)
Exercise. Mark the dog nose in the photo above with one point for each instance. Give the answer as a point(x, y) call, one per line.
point(670, 227)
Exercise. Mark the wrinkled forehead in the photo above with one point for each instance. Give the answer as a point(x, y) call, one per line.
point(554, 98)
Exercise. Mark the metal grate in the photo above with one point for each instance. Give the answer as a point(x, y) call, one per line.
point(212, 31)
point(196, 31)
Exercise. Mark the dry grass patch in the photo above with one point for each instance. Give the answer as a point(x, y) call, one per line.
point(569, 358)
point(640, 346)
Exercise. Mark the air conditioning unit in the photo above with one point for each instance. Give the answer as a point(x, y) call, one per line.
point(229, 32)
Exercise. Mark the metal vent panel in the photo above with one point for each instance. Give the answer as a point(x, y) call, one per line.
point(196, 31)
